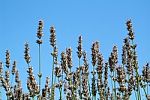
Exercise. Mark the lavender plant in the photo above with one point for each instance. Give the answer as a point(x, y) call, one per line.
point(100, 80)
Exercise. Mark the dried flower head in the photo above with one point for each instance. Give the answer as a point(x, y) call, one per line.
point(40, 32)
point(124, 55)
point(146, 73)
point(55, 54)
point(113, 59)
point(47, 83)
point(17, 76)
point(85, 59)
point(95, 50)
point(121, 75)
point(14, 68)
point(26, 53)
point(99, 64)
point(64, 62)
point(130, 30)
point(106, 75)
point(58, 71)
point(52, 36)
point(1, 68)
point(7, 76)
point(69, 57)
point(79, 52)
point(7, 59)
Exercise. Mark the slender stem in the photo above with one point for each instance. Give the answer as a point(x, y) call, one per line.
point(33, 98)
point(112, 84)
point(53, 67)
point(144, 91)
point(89, 88)
point(60, 94)
point(0, 89)
point(137, 75)
point(147, 88)
point(39, 67)
point(114, 74)
point(135, 95)
point(80, 81)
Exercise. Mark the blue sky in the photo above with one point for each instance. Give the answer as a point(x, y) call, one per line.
point(102, 20)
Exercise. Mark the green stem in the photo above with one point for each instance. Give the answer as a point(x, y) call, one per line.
point(0, 89)
point(39, 67)
point(114, 74)
point(144, 91)
point(53, 67)
point(112, 83)
point(33, 98)
point(135, 95)
point(89, 88)
point(147, 88)
point(80, 81)
point(60, 94)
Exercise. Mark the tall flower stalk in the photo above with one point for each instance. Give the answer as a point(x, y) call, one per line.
point(79, 53)
point(1, 72)
point(39, 42)
point(113, 60)
point(95, 51)
point(54, 55)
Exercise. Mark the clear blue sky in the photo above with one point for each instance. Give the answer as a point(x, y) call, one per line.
point(102, 20)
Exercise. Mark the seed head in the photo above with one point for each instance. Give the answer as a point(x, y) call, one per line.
point(40, 32)
point(130, 30)
point(14, 68)
point(146, 73)
point(79, 52)
point(52, 36)
point(95, 50)
point(69, 57)
point(64, 62)
point(99, 64)
point(1, 68)
point(26, 53)
point(58, 71)
point(113, 59)
point(7, 59)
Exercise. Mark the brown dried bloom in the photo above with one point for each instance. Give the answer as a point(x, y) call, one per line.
point(52, 36)
point(124, 55)
point(14, 68)
point(58, 71)
point(31, 83)
point(17, 76)
point(94, 89)
point(79, 52)
point(85, 59)
point(64, 62)
point(113, 59)
point(26, 53)
point(7, 76)
point(121, 75)
point(99, 65)
point(95, 50)
point(146, 73)
point(1, 68)
point(55, 54)
point(7, 59)
point(40, 32)
point(130, 30)
point(106, 75)
point(47, 83)
point(69, 57)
